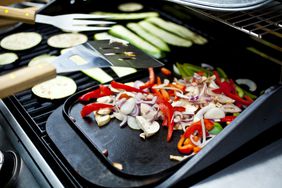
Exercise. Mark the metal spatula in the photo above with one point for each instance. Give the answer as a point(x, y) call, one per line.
point(92, 54)
point(67, 22)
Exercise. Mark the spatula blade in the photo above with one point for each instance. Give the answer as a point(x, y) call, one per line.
point(102, 53)
point(123, 55)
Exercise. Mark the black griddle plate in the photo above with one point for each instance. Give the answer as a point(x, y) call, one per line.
point(84, 161)
point(139, 157)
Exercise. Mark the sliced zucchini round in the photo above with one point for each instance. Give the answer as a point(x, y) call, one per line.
point(57, 88)
point(45, 58)
point(7, 58)
point(21, 41)
point(130, 7)
point(67, 40)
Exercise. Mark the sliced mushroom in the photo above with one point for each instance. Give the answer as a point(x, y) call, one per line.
point(149, 129)
point(131, 121)
point(119, 116)
point(104, 111)
point(102, 119)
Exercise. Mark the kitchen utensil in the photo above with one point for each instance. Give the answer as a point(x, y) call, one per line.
point(100, 53)
point(67, 22)
point(4, 22)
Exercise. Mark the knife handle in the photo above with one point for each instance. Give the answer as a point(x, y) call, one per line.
point(25, 78)
point(23, 15)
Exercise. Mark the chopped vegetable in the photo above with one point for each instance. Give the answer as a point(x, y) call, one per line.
point(151, 81)
point(118, 85)
point(123, 71)
point(57, 88)
point(122, 32)
point(98, 74)
point(178, 30)
point(127, 16)
point(45, 58)
point(154, 40)
point(107, 36)
point(130, 7)
point(251, 84)
point(7, 58)
point(67, 40)
point(97, 93)
point(86, 110)
point(216, 129)
point(118, 166)
point(21, 41)
point(164, 35)
point(165, 71)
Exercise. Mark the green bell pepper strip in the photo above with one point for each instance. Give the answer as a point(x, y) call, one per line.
point(216, 129)
point(221, 73)
point(239, 91)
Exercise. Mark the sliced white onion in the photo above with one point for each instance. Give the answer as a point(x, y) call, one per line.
point(128, 106)
point(224, 99)
point(231, 108)
point(207, 66)
point(204, 133)
point(198, 143)
point(251, 84)
point(214, 113)
point(199, 115)
point(175, 70)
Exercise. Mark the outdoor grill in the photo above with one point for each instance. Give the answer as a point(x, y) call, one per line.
point(250, 48)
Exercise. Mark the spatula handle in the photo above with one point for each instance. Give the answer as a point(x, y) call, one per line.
point(23, 15)
point(25, 78)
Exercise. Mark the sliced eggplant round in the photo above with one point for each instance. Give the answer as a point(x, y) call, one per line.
point(67, 40)
point(21, 41)
point(130, 7)
point(57, 88)
point(7, 58)
point(45, 58)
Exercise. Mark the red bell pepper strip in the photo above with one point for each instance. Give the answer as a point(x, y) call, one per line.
point(86, 110)
point(151, 81)
point(237, 98)
point(179, 108)
point(217, 78)
point(100, 92)
point(165, 71)
point(105, 91)
point(167, 111)
point(183, 146)
point(228, 118)
point(192, 128)
point(182, 87)
point(90, 95)
point(118, 85)
point(165, 94)
point(197, 126)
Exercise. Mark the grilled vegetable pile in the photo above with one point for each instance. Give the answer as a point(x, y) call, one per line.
point(200, 105)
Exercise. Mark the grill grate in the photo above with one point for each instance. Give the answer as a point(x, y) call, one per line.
point(261, 22)
point(40, 109)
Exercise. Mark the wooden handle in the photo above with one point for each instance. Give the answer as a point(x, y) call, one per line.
point(25, 78)
point(9, 2)
point(23, 15)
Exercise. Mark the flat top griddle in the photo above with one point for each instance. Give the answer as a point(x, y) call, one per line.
point(139, 157)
